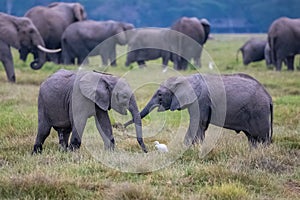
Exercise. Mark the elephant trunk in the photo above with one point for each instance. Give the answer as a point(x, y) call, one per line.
point(148, 108)
point(39, 56)
point(39, 60)
point(138, 122)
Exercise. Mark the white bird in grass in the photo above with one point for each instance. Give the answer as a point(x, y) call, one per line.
point(161, 147)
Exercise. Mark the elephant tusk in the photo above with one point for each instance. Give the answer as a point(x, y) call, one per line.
point(48, 50)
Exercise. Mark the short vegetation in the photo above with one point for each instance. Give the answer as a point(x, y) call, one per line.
point(229, 171)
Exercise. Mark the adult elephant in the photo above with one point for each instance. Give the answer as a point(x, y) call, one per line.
point(284, 41)
point(66, 100)
point(20, 33)
point(251, 111)
point(253, 50)
point(196, 29)
point(51, 21)
point(80, 38)
point(149, 44)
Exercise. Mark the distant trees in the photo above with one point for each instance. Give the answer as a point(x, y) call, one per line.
point(225, 15)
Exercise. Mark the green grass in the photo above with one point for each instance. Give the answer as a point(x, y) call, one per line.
point(229, 171)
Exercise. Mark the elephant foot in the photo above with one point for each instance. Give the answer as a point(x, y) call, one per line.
point(63, 147)
point(74, 145)
point(37, 149)
point(12, 79)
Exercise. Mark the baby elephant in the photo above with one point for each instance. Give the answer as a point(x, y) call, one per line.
point(253, 50)
point(237, 102)
point(67, 99)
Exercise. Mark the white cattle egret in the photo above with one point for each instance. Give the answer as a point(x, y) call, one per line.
point(161, 147)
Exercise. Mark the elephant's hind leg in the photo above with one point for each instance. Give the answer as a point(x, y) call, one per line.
point(43, 132)
point(63, 135)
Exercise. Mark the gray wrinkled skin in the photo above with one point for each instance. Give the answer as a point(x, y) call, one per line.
point(67, 99)
point(247, 107)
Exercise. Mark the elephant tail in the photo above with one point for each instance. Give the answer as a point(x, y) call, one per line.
point(271, 124)
point(271, 121)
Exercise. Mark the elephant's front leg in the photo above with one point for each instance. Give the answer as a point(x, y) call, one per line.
point(112, 57)
point(7, 60)
point(194, 126)
point(104, 127)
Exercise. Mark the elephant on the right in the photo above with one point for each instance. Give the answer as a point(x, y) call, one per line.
point(236, 101)
point(284, 41)
point(196, 29)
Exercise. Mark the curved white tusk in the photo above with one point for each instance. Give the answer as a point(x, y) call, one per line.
point(48, 50)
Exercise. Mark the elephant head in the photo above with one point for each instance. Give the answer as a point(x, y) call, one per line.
point(176, 93)
point(108, 91)
point(122, 31)
point(30, 40)
point(20, 33)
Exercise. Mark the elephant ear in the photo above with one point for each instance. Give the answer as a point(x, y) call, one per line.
point(183, 93)
point(79, 12)
point(94, 88)
point(206, 27)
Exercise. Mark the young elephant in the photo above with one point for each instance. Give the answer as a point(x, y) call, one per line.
point(66, 100)
point(253, 50)
point(242, 104)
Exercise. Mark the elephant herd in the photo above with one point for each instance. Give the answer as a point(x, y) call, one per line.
point(61, 33)
point(281, 46)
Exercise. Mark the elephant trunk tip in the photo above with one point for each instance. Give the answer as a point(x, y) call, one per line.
point(36, 65)
point(142, 144)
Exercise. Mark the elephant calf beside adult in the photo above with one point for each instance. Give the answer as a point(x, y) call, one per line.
point(67, 99)
point(51, 21)
point(237, 102)
point(20, 33)
point(284, 41)
point(80, 38)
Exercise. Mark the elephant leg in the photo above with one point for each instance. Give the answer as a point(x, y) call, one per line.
point(82, 60)
point(63, 135)
point(43, 132)
point(112, 57)
point(77, 131)
point(141, 63)
point(195, 128)
point(104, 60)
point(278, 64)
point(290, 62)
point(251, 140)
point(183, 64)
point(7, 60)
point(104, 127)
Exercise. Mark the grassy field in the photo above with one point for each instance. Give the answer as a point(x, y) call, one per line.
point(228, 171)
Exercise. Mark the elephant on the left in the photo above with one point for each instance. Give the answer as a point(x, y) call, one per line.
point(67, 99)
point(20, 33)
